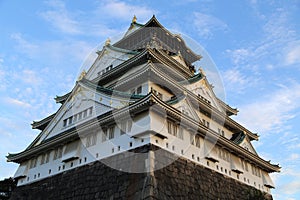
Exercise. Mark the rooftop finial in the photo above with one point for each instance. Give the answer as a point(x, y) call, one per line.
point(107, 42)
point(134, 19)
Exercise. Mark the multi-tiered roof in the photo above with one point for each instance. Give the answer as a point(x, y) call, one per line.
point(150, 70)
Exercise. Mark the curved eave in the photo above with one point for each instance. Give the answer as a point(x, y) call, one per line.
point(111, 47)
point(209, 108)
point(204, 105)
point(108, 91)
point(229, 110)
point(141, 58)
point(42, 123)
point(72, 133)
point(62, 99)
point(231, 146)
point(193, 79)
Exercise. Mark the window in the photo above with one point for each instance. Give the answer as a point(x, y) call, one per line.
point(84, 113)
point(129, 125)
point(139, 90)
point(172, 128)
point(58, 153)
point(70, 120)
point(132, 91)
point(123, 128)
point(169, 127)
point(244, 165)
point(75, 118)
point(111, 133)
point(91, 140)
point(65, 122)
point(33, 163)
point(224, 155)
point(180, 135)
point(45, 158)
point(255, 171)
point(108, 133)
point(192, 139)
point(197, 141)
point(90, 110)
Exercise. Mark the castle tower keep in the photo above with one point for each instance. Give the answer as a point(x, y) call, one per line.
point(142, 123)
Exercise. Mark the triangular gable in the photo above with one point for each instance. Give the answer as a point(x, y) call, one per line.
point(108, 58)
point(246, 144)
point(83, 104)
point(203, 90)
point(186, 107)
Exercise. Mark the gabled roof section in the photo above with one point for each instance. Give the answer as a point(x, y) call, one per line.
point(62, 99)
point(156, 56)
point(109, 91)
point(153, 34)
point(153, 22)
point(72, 133)
point(41, 125)
point(229, 110)
point(222, 141)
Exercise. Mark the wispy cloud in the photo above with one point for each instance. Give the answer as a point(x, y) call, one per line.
point(208, 24)
point(23, 45)
point(236, 81)
point(278, 38)
point(96, 22)
point(16, 102)
point(293, 53)
point(124, 11)
point(59, 17)
point(271, 112)
point(56, 50)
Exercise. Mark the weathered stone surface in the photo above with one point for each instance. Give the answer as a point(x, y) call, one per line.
point(180, 180)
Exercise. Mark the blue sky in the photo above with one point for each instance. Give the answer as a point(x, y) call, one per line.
point(254, 44)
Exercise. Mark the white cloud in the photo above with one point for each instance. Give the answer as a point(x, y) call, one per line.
point(271, 112)
point(23, 45)
point(125, 11)
point(293, 54)
point(236, 81)
point(239, 56)
point(60, 18)
point(278, 38)
point(30, 77)
point(16, 102)
point(293, 157)
point(55, 51)
point(95, 22)
point(207, 24)
point(291, 187)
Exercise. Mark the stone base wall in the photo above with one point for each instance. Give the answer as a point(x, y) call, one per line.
point(182, 179)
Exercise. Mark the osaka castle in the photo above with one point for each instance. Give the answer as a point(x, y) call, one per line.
point(142, 123)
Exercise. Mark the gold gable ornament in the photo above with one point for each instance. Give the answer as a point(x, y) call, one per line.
point(82, 75)
point(202, 71)
point(134, 19)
